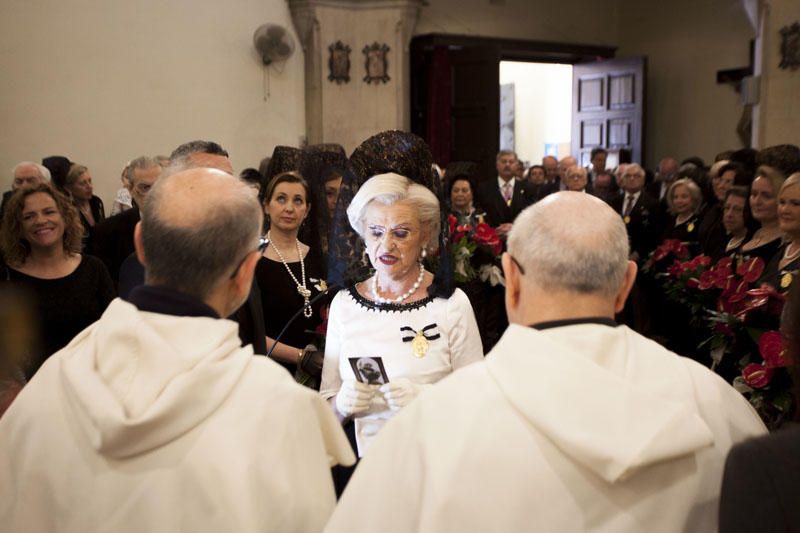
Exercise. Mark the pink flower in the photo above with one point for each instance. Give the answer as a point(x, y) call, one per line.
point(770, 346)
point(757, 376)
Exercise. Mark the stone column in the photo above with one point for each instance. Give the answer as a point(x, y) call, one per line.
point(349, 112)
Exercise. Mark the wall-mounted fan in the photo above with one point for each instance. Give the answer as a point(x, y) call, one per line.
point(273, 43)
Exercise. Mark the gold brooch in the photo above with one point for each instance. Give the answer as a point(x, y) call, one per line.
point(420, 340)
point(786, 280)
point(626, 219)
point(690, 227)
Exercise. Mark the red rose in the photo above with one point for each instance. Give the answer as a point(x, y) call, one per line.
point(676, 269)
point(770, 346)
point(487, 236)
point(451, 223)
point(751, 270)
point(757, 376)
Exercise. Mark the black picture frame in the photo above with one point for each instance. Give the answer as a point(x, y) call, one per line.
point(790, 47)
point(376, 63)
point(339, 63)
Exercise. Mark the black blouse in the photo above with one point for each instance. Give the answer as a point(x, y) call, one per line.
point(65, 306)
point(280, 300)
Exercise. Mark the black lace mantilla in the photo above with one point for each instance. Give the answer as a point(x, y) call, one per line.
point(390, 307)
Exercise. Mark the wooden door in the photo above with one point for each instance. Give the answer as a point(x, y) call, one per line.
point(475, 107)
point(608, 108)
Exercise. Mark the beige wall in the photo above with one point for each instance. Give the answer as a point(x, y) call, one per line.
point(102, 82)
point(687, 112)
point(353, 111)
point(779, 108)
point(573, 21)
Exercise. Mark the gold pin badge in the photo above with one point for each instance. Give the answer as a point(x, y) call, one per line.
point(627, 219)
point(786, 280)
point(690, 227)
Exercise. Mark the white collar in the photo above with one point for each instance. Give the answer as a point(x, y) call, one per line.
point(501, 182)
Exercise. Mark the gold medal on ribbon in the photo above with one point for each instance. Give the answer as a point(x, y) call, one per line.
point(786, 280)
point(419, 345)
point(690, 227)
point(627, 219)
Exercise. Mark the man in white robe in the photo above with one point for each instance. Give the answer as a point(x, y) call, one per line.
point(572, 422)
point(155, 418)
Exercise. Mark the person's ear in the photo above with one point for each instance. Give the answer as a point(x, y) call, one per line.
point(513, 289)
point(243, 278)
point(627, 285)
point(138, 244)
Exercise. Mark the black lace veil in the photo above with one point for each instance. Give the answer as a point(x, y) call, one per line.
point(389, 151)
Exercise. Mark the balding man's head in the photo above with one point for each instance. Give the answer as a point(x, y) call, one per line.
point(571, 242)
point(197, 227)
point(29, 174)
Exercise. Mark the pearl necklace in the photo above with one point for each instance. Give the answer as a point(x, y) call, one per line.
point(789, 257)
point(381, 300)
point(301, 287)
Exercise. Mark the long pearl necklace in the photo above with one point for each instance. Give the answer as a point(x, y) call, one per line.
point(301, 287)
point(789, 257)
point(400, 299)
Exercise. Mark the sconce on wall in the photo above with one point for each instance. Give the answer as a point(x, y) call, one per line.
point(376, 62)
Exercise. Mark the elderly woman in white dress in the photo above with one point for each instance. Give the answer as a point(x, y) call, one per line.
point(390, 317)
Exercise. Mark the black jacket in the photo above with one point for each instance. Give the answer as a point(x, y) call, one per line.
point(112, 240)
point(497, 211)
point(645, 223)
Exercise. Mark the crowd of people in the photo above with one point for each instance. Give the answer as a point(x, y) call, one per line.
point(241, 351)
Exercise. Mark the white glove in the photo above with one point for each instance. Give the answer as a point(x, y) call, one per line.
point(399, 392)
point(354, 397)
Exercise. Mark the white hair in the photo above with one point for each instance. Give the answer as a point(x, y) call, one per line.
point(44, 172)
point(571, 241)
point(389, 189)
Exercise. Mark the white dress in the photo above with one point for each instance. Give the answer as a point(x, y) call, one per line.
point(358, 327)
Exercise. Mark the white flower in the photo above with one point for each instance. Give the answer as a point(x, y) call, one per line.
point(492, 274)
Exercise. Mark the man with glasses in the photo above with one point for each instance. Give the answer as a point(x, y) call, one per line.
point(113, 238)
point(571, 423)
point(161, 419)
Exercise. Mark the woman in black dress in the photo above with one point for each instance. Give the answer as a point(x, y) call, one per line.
point(784, 265)
point(766, 240)
point(41, 244)
point(290, 275)
point(684, 199)
point(90, 207)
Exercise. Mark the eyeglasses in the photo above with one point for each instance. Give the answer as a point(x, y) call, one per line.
point(262, 245)
point(519, 266)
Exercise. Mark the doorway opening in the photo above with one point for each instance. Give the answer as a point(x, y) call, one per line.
point(535, 109)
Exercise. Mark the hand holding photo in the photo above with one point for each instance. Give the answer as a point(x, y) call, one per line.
point(369, 370)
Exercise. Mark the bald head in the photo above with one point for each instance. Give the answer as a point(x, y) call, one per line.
point(197, 225)
point(564, 165)
point(571, 242)
point(667, 170)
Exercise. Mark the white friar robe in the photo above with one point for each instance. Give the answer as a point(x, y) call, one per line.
point(152, 422)
point(584, 427)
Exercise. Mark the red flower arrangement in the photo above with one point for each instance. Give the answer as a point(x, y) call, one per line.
point(475, 250)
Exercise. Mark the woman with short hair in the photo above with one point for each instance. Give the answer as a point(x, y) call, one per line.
point(390, 316)
point(684, 200)
point(41, 245)
point(784, 265)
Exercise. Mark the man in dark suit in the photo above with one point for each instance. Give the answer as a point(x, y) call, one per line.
point(644, 220)
point(112, 241)
point(666, 175)
point(504, 197)
point(642, 213)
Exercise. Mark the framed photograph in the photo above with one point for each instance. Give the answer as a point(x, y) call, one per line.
point(369, 370)
point(339, 62)
point(790, 47)
point(376, 63)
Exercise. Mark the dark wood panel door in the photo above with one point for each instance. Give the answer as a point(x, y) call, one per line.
point(608, 108)
point(475, 107)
